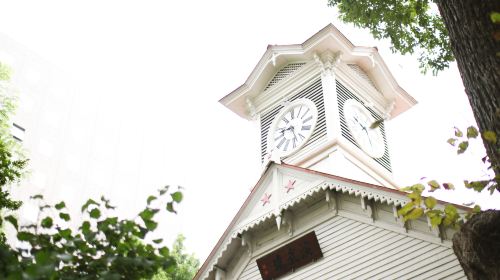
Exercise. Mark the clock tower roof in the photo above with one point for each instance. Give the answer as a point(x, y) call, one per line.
point(328, 39)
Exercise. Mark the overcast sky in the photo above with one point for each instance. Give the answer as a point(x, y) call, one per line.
point(160, 67)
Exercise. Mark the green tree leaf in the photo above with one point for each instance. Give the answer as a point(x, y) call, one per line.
point(95, 213)
point(177, 196)
point(476, 185)
point(151, 225)
point(164, 190)
point(12, 221)
point(60, 205)
point(64, 216)
point(38, 196)
point(25, 236)
point(495, 17)
point(88, 203)
point(47, 222)
point(150, 199)
point(170, 207)
point(462, 147)
point(65, 233)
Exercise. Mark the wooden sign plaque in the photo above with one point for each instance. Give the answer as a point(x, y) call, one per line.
point(290, 257)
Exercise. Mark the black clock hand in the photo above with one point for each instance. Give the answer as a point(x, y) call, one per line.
point(368, 135)
point(362, 126)
point(294, 135)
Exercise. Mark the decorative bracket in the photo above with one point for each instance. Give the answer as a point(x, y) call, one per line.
point(372, 60)
point(327, 61)
point(288, 221)
point(251, 108)
point(220, 274)
point(398, 219)
point(285, 218)
point(436, 231)
point(367, 208)
point(388, 110)
point(273, 58)
point(332, 200)
point(246, 241)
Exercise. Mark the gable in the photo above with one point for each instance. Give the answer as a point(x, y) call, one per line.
point(279, 188)
point(315, 199)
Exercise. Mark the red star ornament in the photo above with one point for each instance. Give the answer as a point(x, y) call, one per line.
point(266, 199)
point(290, 186)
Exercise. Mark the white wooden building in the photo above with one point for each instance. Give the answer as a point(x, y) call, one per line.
point(326, 205)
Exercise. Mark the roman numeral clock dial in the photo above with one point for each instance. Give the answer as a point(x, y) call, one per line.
point(292, 127)
point(360, 120)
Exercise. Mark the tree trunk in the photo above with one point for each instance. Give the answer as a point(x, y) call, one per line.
point(477, 246)
point(477, 53)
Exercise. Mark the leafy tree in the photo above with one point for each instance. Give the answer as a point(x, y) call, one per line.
point(103, 246)
point(187, 265)
point(12, 162)
point(469, 32)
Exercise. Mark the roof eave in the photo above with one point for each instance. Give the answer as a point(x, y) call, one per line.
point(276, 56)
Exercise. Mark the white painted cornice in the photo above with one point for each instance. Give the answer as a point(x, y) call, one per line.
point(328, 39)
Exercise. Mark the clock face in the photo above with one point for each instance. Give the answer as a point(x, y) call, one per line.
point(292, 127)
point(359, 120)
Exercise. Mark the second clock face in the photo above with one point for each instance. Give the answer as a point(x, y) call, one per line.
point(359, 120)
point(292, 127)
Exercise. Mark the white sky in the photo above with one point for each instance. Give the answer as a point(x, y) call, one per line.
point(159, 68)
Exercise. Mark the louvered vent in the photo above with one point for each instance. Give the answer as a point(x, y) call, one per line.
point(284, 72)
point(314, 92)
point(345, 94)
point(361, 73)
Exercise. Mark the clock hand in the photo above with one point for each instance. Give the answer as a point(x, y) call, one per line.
point(362, 126)
point(368, 135)
point(294, 135)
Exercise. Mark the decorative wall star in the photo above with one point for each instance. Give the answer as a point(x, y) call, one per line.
point(290, 186)
point(266, 199)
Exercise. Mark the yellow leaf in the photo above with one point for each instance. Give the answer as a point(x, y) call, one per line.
point(414, 214)
point(472, 132)
point(430, 202)
point(405, 209)
point(433, 184)
point(490, 136)
point(376, 124)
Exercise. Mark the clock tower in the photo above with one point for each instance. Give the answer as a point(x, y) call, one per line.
point(325, 206)
point(323, 105)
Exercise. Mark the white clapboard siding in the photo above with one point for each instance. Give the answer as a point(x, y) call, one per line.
point(251, 272)
point(356, 250)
